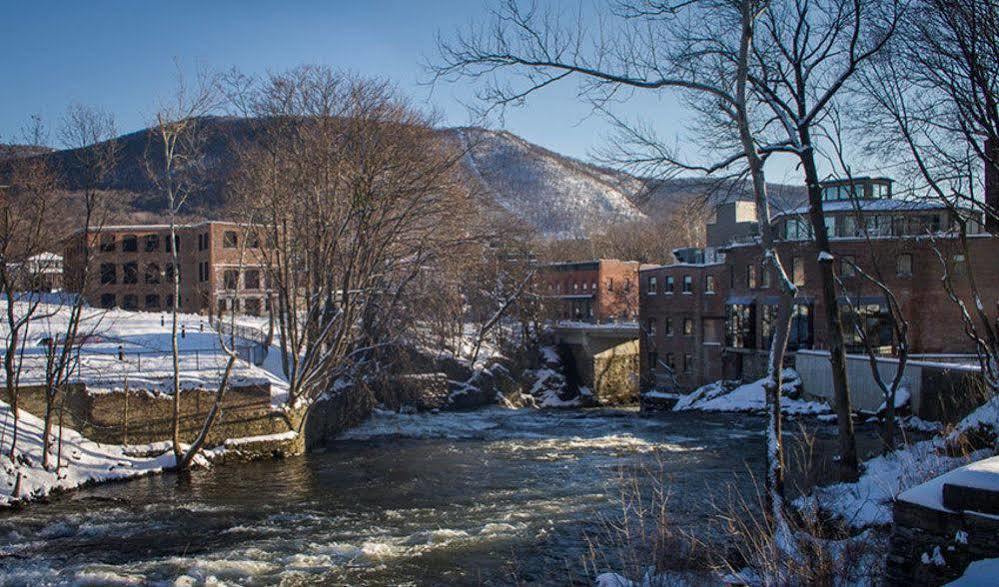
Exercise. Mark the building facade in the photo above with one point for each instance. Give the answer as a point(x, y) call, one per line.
point(220, 265)
point(599, 291)
point(721, 328)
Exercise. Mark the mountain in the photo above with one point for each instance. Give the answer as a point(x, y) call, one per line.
point(560, 196)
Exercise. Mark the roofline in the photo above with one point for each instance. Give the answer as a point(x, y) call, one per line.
point(147, 227)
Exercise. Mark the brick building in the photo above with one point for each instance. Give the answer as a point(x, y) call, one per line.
point(131, 267)
point(711, 315)
point(599, 291)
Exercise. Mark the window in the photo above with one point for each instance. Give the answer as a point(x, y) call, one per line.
point(168, 301)
point(251, 279)
point(653, 358)
point(960, 265)
point(575, 286)
point(130, 273)
point(709, 284)
point(903, 265)
point(130, 302)
point(152, 243)
point(797, 229)
point(751, 276)
point(767, 277)
point(130, 243)
point(109, 274)
point(740, 326)
point(253, 242)
point(688, 327)
point(670, 284)
point(168, 274)
point(593, 286)
point(873, 319)
point(586, 285)
point(668, 327)
point(688, 363)
point(229, 239)
point(203, 241)
point(653, 287)
point(176, 240)
point(152, 273)
point(650, 327)
point(107, 300)
point(798, 270)
point(152, 302)
point(768, 320)
point(252, 306)
point(847, 266)
point(230, 279)
point(670, 361)
point(107, 243)
point(801, 328)
point(688, 284)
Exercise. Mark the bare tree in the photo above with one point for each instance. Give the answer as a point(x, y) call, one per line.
point(174, 164)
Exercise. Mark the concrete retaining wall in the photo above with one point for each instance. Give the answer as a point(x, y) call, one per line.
point(939, 391)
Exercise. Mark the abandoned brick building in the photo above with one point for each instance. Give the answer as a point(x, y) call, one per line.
point(221, 267)
point(599, 291)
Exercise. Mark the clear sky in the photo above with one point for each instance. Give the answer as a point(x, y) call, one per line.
point(120, 55)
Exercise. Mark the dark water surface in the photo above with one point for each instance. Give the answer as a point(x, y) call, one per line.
point(492, 497)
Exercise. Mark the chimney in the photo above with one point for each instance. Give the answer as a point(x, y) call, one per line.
point(992, 185)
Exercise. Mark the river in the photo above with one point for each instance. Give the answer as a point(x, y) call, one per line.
point(493, 496)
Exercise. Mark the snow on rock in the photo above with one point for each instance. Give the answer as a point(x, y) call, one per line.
point(722, 397)
point(983, 418)
point(83, 461)
point(983, 474)
point(868, 502)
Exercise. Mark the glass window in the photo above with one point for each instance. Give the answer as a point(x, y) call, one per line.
point(130, 243)
point(709, 284)
point(650, 327)
point(109, 274)
point(252, 306)
point(107, 243)
point(688, 363)
point(668, 327)
point(740, 324)
point(653, 360)
point(130, 273)
point(751, 276)
point(107, 300)
point(688, 284)
point(152, 274)
point(653, 286)
point(229, 239)
point(873, 320)
point(152, 302)
point(251, 279)
point(253, 240)
point(230, 279)
point(152, 243)
point(904, 264)
point(130, 302)
point(669, 361)
point(688, 327)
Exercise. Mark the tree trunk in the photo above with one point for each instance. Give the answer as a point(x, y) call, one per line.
point(848, 465)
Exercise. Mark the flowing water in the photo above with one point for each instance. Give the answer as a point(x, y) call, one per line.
point(493, 496)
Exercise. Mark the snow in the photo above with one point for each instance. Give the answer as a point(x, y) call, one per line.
point(982, 474)
point(749, 397)
point(276, 437)
point(83, 461)
point(145, 341)
point(826, 256)
point(978, 574)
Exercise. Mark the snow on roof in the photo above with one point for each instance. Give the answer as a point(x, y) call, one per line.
point(146, 227)
point(868, 205)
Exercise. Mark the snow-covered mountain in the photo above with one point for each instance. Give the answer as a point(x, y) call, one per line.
point(560, 196)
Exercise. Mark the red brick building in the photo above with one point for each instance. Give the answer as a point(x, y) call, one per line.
point(603, 290)
point(720, 324)
point(131, 267)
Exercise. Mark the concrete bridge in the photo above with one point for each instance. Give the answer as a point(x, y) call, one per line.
point(602, 357)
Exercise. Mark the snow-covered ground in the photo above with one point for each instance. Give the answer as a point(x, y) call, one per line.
point(83, 461)
point(144, 340)
point(715, 397)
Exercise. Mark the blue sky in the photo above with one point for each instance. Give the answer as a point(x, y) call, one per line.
point(120, 55)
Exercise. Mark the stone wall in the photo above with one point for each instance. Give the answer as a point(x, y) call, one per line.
point(141, 416)
point(932, 547)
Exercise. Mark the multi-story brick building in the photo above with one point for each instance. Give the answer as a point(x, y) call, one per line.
point(720, 324)
point(602, 290)
point(220, 267)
